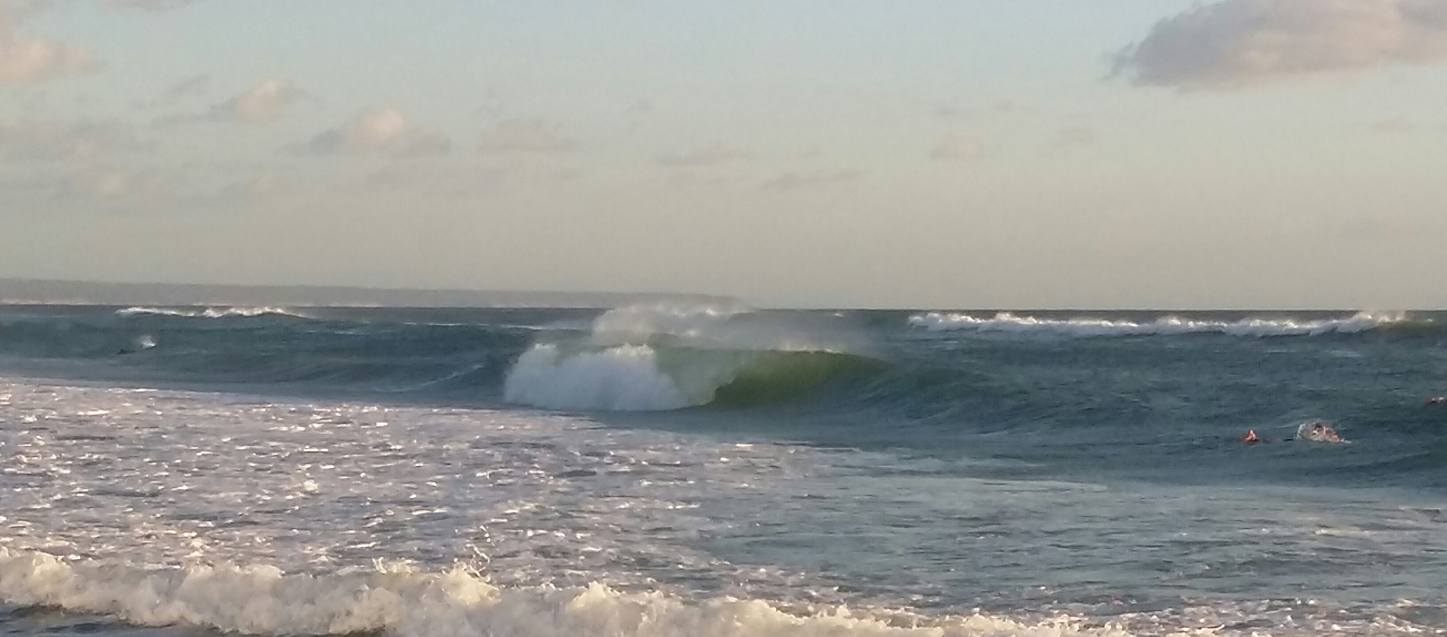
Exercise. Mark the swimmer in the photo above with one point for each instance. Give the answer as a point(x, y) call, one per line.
point(1250, 438)
point(1319, 431)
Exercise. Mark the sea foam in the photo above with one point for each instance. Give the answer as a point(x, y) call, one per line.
point(398, 599)
point(621, 378)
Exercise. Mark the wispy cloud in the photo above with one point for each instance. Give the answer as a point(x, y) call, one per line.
point(381, 131)
point(45, 140)
point(1075, 137)
point(1236, 43)
point(525, 136)
point(714, 155)
point(186, 87)
point(148, 5)
point(815, 179)
point(957, 147)
point(1393, 125)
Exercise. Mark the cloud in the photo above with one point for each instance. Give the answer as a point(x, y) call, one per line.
point(33, 58)
point(39, 140)
point(1236, 43)
point(1075, 137)
point(261, 103)
point(957, 147)
point(97, 184)
point(714, 155)
point(255, 187)
point(190, 86)
point(639, 108)
point(525, 136)
point(1393, 125)
point(384, 131)
point(798, 181)
point(999, 107)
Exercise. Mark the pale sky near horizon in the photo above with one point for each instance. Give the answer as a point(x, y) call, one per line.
point(1040, 153)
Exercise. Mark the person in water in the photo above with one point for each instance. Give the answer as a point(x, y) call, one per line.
point(1321, 431)
point(1315, 431)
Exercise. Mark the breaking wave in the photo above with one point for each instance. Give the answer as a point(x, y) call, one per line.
point(1164, 326)
point(648, 378)
point(623, 378)
point(399, 599)
point(662, 357)
point(210, 312)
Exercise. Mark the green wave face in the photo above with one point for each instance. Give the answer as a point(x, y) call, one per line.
point(744, 378)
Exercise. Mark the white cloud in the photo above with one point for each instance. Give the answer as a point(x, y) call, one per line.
point(33, 58)
point(525, 136)
point(957, 147)
point(261, 103)
point(707, 156)
point(383, 131)
point(1242, 42)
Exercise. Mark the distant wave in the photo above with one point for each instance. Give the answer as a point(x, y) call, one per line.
point(1168, 325)
point(405, 601)
point(210, 312)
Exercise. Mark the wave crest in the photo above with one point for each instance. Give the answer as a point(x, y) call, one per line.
point(210, 312)
point(1164, 326)
point(401, 600)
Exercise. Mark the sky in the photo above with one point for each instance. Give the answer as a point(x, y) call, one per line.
point(943, 154)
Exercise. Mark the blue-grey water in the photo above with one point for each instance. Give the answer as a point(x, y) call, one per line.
point(687, 469)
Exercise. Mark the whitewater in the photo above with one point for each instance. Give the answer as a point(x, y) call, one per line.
point(688, 469)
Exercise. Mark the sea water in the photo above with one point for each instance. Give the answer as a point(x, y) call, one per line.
point(686, 469)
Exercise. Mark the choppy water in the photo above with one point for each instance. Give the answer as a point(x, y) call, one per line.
point(710, 470)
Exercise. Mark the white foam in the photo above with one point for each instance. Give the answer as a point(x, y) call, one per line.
point(210, 312)
point(1307, 431)
point(400, 600)
point(1168, 325)
point(621, 378)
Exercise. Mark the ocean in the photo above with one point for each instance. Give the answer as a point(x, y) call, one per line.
point(707, 469)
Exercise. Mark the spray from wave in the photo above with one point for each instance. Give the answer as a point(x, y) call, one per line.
point(1164, 326)
point(663, 357)
point(402, 600)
